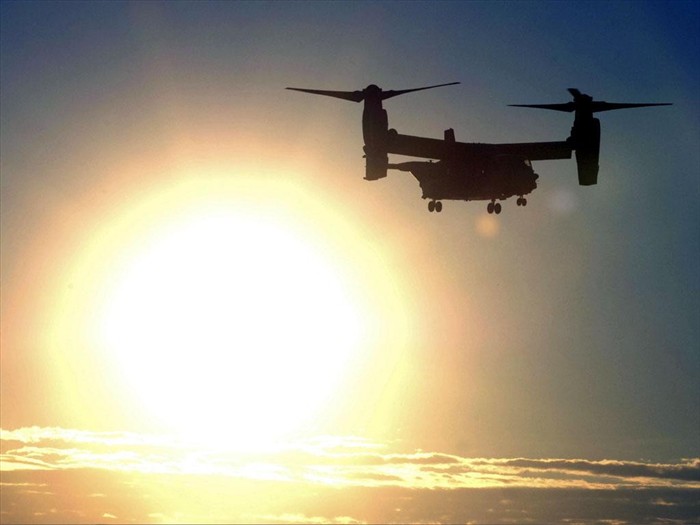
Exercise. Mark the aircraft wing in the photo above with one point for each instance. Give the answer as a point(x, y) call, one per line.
point(441, 149)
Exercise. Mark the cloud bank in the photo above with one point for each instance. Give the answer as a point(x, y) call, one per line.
point(338, 461)
point(41, 464)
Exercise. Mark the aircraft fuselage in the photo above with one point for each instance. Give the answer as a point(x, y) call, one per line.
point(487, 178)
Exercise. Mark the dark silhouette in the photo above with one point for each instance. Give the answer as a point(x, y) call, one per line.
point(474, 171)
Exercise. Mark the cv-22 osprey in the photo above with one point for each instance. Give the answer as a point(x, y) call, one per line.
point(475, 171)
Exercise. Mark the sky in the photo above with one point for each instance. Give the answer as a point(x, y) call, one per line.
point(209, 316)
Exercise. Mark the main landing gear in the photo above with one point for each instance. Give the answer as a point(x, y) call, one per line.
point(435, 206)
point(493, 207)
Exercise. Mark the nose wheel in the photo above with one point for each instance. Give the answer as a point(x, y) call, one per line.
point(522, 201)
point(435, 206)
point(493, 207)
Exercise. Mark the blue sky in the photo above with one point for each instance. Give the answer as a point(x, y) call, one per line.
point(564, 330)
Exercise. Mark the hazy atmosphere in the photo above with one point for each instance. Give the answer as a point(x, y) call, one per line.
point(209, 316)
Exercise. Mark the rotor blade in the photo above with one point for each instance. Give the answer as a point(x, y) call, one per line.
point(574, 92)
point(394, 93)
point(597, 106)
point(352, 96)
point(567, 107)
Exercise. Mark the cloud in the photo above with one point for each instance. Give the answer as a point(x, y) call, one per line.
point(168, 498)
point(328, 460)
point(148, 497)
point(54, 474)
point(688, 470)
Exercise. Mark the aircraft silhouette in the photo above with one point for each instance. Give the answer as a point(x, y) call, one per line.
point(475, 171)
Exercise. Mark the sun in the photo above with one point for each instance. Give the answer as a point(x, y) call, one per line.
point(231, 307)
point(229, 322)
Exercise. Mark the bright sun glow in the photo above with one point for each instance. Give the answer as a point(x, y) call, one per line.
point(232, 309)
point(227, 307)
point(231, 324)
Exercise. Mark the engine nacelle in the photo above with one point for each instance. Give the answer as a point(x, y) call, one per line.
point(375, 128)
point(586, 140)
point(376, 164)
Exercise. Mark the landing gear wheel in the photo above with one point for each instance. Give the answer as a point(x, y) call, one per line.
point(431, 206)
point(524, 203)
point(489, 207)
point(438, 206)
point(497, 208)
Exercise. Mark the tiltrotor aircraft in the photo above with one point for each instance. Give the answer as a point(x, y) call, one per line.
point(475, 171)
